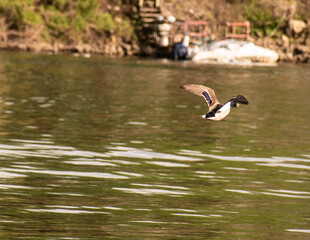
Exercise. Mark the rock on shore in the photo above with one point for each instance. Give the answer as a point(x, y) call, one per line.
point(294, 43)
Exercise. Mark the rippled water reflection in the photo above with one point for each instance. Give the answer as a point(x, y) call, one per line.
point(106, 148)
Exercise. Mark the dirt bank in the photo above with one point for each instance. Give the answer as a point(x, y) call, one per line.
point(56, 26)
point(109, 29)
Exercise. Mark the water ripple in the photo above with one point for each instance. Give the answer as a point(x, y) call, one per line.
point(189, 215)
point(287, 193)
point(167, 164)
point(70, 173)
point(8, 186)
point(270, 162)
point(287, 165)
point(238, 191)
point(299, 230)
point(151, 191)
point(157, 185)
point(5, 174)
point(130, 152)
point(64, 211)
point(89, 162)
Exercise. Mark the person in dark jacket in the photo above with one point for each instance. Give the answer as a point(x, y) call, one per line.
point(179, 50)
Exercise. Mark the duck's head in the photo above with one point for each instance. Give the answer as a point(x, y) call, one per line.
point(234, 105)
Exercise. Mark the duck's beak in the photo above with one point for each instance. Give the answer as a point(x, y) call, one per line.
point(237, 105)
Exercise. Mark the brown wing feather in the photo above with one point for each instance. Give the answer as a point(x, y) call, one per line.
point(199, 89)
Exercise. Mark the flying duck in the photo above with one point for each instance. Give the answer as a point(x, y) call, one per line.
point(217, 111)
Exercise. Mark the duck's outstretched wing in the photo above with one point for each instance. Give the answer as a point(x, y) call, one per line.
point(239, 99)
point(200, 90)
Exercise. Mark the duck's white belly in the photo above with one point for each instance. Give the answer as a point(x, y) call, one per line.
point(221, 113)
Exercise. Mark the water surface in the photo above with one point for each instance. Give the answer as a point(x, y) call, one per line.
point(109, 148)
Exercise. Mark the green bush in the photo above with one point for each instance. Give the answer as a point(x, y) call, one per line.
point(78, 23)
point(87, 7)
point(56, 20)
point(104, 21)
point(29, 16)
point(60, 4)
point(263, 22)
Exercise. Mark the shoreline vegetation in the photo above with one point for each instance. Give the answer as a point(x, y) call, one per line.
point(110, 27)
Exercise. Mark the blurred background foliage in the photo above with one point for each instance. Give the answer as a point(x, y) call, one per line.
point(268, 18)
point(92, 21)
point(72, 21)
point(262, 19)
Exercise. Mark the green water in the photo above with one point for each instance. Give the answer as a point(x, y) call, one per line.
point(108, 148)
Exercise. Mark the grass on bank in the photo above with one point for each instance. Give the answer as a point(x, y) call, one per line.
point(76, 20)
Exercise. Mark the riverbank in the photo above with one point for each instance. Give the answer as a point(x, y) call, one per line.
point(86, 49)
point(99, 27)
point(57, 26)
